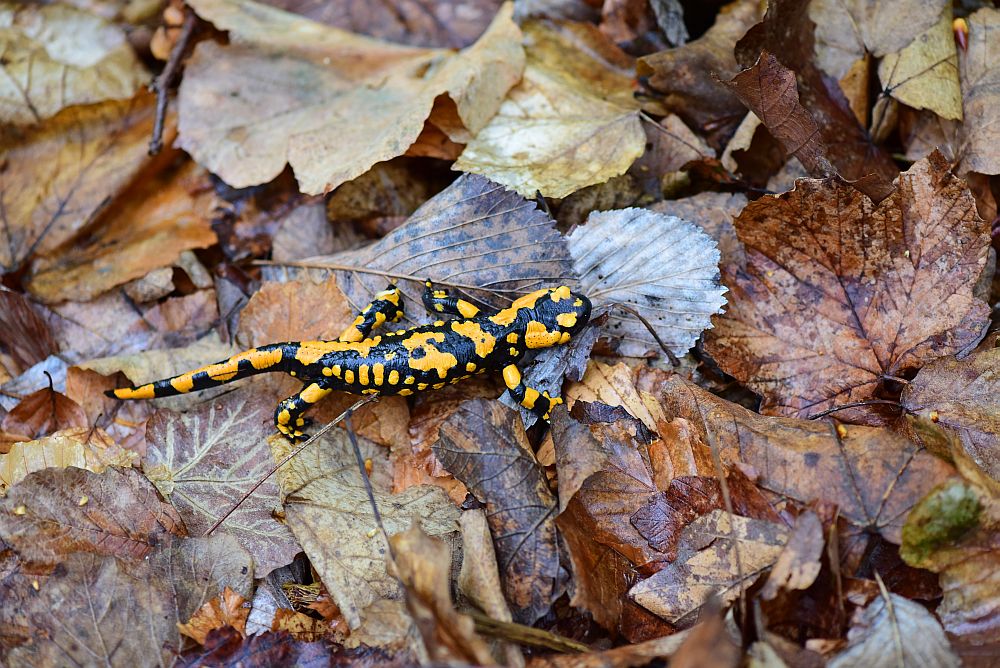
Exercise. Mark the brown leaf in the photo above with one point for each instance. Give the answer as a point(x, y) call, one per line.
point(799, 563)
point(787, 32)
point(980, 76)
point(962, 394)
point(708, 644)
point(57, 56)
point(955, 531)
point(82, 447)
point(54, 512)
point(768, 89)
point(205, 459)
point(626, 656)
point(295, 310)
point(24, 335)
point(42, 413)
point(874, 475)
point(573, 103)
point(683, 76)
point(423, 564)
point(484, 445)
point(839, 295)
point(327, 508)
point(328, 102)
point(893, 630)
point(721, 555)
point(149, 227)
point(226, 647)
point(228, 609)
point(474, 232)
point(441, 23)
point(62, 173)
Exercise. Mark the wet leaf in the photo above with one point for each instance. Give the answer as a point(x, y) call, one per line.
point(474, 232)
point(82, 447)
point(683, 76)
point(42, 413)
point(423, 564)
point(720, 556)
point(896, 631)
point(54, 512)
point(962, 394)
point(840, 294)
point(155, 222)
point(327, 509)
point(664, 267)
point(64, 172)
point(483, 445)
point(328, 102)
point(571, 122)
point(56, 56)
point(228, 609)
point(205, 459)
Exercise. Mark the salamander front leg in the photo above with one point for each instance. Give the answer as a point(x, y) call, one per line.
point(288, 416)
point(438, 302)
point(540, 403)
point(386, 306)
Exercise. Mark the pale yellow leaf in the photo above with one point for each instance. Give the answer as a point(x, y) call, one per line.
point(924, 75)
point(83, 448)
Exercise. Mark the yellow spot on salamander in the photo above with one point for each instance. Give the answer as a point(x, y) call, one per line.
point(530, 397)
point(467, 310)
point(183, 383)
point(511, 376)
point(432, 359)
point(512, 337)
point(513, 351)
point(509, 314)
point(284, 417)
point(313, 393)
point(142, 392)
point(536, 335)
point(421, 386)
point(259, 359)
point(470, 366)
point(393, 377)
point(560, 293)
point(349, 377)
point(438, 386)
point(410, 380)
point(370, 390)
point(327, 371)
point(405, 392)
point(484, 341)
point(566, 319)
point(363, 374)
point(378, 374)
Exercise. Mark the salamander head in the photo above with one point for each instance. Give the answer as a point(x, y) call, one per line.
point(558, 316)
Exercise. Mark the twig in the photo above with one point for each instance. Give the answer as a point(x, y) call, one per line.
point(524, 635)
point(857, 404)
point(670, 355)
point(368, 487)
point(327, 427)
point(166, 79)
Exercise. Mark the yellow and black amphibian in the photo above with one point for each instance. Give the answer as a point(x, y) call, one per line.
point(404, 361)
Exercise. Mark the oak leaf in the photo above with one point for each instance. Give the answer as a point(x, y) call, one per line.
point(840, 295)
point(328, 102)
point(484, 446)
point(57, 56)
point(571, 122)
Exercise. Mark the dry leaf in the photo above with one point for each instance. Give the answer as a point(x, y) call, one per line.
point(840, 295)
point(954, 532)
point(709, 566)
point(328, 102)
point(57, 56)
point(626, 656)
point(474, 233)
point(874, 475)
point(40, 414)
point(799, 563)
point(442, 23)
point(962, 394)
point(54, 512)
point(980, 77)
point(295, 310)
point(62, 173)
point(683, 76)
point(327, 509)
point(847, 29)
point(484, 445)
point(24, 335)
point(894, 631)
point(205, 459)
point(664, 267)
point(226, 647)
point(83, 447)
point(228, 609)
point(157, 220)
point(714, 213)
point(924, 75)
point(571, 122)
point(423, 565)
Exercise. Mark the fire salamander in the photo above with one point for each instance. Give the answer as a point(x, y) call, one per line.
point(404, 361)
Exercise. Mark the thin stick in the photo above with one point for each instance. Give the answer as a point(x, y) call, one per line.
point(166, 79)
point(856, 404)
point(670, 355)
point(524, 635)
point(378, 272)
point(368, 486)
point(327, 427)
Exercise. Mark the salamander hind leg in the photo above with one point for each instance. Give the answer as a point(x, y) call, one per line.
point(438, 302)
point(386, 306)
point(540, 403)
point(288, 418)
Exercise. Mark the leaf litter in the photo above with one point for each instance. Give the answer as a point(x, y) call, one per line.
point(673, 510)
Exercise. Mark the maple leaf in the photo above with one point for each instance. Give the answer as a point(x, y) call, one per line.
point(840, 295)
point(328, 102)
point(571, 122)
point(483, 445)
point(57, 56)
